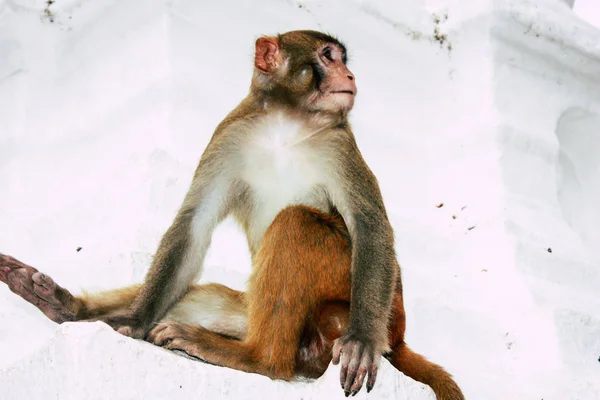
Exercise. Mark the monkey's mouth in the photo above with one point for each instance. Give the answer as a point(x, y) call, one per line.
point(350, 92)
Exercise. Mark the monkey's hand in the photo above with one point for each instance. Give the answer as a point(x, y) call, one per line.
point(359, 357)
point(126, 324)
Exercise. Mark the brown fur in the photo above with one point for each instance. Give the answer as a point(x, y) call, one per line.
point(326, 284)
point(299, 292)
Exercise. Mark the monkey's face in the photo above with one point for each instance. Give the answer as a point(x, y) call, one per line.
point(306, 69)
point(329, 84)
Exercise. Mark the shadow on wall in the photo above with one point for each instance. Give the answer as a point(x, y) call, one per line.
point(578, 190)
point(578, 132)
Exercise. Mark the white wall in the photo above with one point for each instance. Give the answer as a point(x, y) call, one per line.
point(105, 111)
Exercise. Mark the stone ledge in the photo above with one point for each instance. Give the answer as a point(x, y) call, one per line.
point(91, 361)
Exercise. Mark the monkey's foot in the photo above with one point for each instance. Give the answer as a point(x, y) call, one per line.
point(37, 288)
point(176, 336)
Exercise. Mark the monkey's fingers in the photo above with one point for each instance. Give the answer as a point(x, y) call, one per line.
point(349, 384)
point(366, 364)
point(372, 377)
point(8, 264)
point(126, 326)
point(337, 352)
point(125, 331)
point(347, 369)
point(358, 360)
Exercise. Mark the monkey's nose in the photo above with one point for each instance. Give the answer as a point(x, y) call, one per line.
point(351, 77)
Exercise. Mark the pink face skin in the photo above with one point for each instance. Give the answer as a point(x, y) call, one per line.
point(339, 87)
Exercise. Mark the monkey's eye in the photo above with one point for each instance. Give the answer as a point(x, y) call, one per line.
point(327, 53)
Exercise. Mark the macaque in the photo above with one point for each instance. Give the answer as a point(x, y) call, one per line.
point(325, 284)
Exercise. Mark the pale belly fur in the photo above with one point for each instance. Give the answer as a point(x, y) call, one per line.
point(282, 167)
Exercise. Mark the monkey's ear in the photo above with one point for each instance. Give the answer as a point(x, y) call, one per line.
point(267, 56)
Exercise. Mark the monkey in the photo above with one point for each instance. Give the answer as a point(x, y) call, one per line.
point(325, 284)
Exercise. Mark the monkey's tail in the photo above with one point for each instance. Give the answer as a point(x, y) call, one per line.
point(420, 369)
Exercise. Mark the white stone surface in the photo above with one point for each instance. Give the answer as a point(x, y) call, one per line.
point(91, 361)
point(104, 113)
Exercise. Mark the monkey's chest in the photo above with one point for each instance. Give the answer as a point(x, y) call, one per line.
point(281, 172)
point(282, 168)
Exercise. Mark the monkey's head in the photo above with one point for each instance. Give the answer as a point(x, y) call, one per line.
point(305, 69)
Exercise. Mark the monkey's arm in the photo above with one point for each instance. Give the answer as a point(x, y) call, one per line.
point(180, 255)
point(357, 197)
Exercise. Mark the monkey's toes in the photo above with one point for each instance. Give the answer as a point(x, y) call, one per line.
point(45, 288)
point(164, 333)
point(19, 282)
point(10, 265)
point(36, 288)
point(158, 335)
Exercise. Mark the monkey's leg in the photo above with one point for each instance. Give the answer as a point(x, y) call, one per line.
point(214, 306)
point(56, 302)
point(303, 261)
